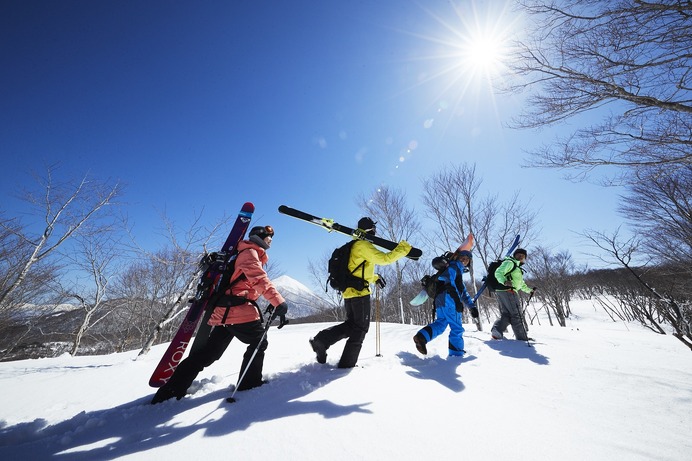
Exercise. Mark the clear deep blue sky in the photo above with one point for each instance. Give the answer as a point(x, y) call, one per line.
point(308, 103)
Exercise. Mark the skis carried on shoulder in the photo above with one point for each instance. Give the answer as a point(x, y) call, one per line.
point(330, 226)
point(212, 267)
point(511, 249)
point(467, 244)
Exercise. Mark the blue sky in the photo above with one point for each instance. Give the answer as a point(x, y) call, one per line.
point(309, 103)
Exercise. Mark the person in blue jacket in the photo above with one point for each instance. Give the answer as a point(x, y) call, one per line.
point(450, 295)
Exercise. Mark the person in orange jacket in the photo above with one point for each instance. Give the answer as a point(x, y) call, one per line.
point(236, 315)
point(357, 302)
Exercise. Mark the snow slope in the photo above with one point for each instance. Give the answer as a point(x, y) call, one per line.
point(595, 390)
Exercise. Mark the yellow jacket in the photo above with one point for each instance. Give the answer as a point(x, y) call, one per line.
point(363, 250)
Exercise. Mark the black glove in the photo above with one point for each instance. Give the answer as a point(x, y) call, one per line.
point(533, 289)
point(474, 312)
point(380, 281)
point(279, 311)
point(459, 307)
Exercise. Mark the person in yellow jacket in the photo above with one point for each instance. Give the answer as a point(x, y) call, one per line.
point(364, 256)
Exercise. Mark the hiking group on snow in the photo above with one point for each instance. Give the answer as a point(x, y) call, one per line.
point(233, 311)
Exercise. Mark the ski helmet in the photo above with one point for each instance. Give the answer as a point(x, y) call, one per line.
point(262, 231)
point(466, 253)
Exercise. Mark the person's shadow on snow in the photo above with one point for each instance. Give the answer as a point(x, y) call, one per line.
point(517, 350)
point(436, 368)
point(137, 426)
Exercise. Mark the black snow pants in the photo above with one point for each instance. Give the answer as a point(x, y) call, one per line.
point(248, 333)
point(353, 330)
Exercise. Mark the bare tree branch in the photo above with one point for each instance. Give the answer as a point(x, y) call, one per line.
point(627, 62)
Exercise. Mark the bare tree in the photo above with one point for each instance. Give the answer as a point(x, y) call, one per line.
point(453, 201)
point(65, 208)
point(37, 284)
point(96, 255)
point(659, 207)
point(333, 308)
point(552, 273)
point(631, 58)
point(30, 263)
point(174, 274)
point(666, 308)
point(448, 197)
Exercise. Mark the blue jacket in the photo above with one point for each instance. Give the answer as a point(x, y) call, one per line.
point(453, 290)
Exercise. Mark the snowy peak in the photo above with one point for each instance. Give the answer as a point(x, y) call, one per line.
point(302, 301)
point(294, 286)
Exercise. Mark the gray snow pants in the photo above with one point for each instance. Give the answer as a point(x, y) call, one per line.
point(510, 314)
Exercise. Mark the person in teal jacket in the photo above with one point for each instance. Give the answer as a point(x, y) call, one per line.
point(511, 275)
point(364, 256)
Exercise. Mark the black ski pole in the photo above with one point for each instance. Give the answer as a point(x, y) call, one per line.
point(231, 399)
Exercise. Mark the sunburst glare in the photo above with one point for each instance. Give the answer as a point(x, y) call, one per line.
point(484, 54)
point(467, 50)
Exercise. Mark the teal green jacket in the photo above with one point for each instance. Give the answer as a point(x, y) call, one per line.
point(510, 270)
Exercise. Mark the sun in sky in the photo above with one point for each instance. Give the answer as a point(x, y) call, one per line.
point(459, 57)
point(462, 52)
point(470, 48)
point(483, 53)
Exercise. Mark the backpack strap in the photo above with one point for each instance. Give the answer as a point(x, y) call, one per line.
point(361, 279)
point(362, 270)
point(229, 300)
point(514, 266)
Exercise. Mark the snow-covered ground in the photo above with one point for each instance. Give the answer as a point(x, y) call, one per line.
point(595, 390)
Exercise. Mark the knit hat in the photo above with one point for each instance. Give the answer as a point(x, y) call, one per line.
point(367, 224)
point(520, 251)
point(466, 253)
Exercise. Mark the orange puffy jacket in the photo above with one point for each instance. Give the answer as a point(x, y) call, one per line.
point(250, 261)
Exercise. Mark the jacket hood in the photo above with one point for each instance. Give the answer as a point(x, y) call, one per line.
point(261, 252)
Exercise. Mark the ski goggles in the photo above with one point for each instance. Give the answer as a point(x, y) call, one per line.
point(262, 231)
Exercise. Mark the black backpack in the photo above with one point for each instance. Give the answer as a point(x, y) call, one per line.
point(431, 284)
point(490, 280)
point(219, 298)
point(340, 277)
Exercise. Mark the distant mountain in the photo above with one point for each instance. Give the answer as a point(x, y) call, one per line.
point(301, 300)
